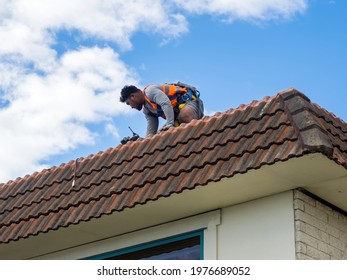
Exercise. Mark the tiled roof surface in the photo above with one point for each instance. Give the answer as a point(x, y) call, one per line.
point(274, 129)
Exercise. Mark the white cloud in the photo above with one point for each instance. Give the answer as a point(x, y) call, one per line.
point(245, 9)
point(48, 96)
point(114, 20)
point(48, 114)
point(111, 129)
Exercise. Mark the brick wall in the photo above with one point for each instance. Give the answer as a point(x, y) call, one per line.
point(320, 231)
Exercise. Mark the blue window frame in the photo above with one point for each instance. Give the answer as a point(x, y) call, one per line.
point(188, 246)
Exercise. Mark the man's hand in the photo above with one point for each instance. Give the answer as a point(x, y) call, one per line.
point(165, 127)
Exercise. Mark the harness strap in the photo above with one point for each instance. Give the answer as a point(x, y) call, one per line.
point(155, 106)
point(190, 95)
point(179, 94)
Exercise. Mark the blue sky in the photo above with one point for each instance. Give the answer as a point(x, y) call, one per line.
point(64, 62)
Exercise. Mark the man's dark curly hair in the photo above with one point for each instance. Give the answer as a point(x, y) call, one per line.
point(126, 91)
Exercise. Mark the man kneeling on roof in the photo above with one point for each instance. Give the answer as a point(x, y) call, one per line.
point(177, 103)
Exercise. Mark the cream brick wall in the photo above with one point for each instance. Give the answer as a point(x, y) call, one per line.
point(320, 231)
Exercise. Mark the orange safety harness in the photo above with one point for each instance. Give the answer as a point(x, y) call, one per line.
point(178, 94)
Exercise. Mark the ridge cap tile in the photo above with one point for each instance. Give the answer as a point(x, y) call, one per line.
point(313, 134)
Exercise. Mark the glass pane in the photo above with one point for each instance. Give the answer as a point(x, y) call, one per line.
point(191, 253)
point(183, 249)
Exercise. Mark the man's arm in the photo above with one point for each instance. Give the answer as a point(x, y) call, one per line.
point(152, 125)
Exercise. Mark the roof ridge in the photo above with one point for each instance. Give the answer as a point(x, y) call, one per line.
point(303, 112)
point(252, 103)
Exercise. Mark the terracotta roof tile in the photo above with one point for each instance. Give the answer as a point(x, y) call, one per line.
point(274, 129)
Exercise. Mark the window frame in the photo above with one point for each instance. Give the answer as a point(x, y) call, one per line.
point(152, 244)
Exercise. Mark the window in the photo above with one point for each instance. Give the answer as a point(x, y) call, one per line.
point(188, 246)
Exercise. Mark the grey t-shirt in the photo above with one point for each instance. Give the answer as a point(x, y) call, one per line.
point(157, 96)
